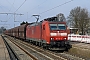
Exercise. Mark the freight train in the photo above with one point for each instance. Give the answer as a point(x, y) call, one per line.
point(49, 33)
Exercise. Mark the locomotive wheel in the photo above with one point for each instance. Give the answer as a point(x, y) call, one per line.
point(36, 43)
point(45, 46)
point(40, 44)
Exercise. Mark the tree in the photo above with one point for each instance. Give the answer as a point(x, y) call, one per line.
point(79, 18)
point(60, 17)
point(2, 29)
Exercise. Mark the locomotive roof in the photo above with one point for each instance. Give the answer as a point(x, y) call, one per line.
point(35, 23)
point(54, 19)
point(51, 19)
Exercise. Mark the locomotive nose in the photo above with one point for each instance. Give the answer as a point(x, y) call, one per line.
point(58, 36)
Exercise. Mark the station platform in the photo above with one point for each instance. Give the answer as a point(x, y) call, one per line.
point(4, 55)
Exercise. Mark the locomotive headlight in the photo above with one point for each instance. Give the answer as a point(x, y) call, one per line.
point(52, 38)
point(65, 38)
point(63, 34)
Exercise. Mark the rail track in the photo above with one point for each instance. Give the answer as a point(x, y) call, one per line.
point(42, 54)
point(12, 55)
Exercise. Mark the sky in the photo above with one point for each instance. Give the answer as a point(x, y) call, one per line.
point(13, 12)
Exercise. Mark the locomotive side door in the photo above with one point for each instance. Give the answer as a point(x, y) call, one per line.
point(43, 32)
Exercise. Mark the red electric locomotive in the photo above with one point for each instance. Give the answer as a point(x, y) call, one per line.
point(50, 34)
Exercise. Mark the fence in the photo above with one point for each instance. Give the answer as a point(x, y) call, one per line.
point(79, 38)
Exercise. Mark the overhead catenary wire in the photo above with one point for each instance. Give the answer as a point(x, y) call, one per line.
point(56, 7)
point(36, 7)
point(11, 4)
point(10, 9)
point(16, 10)
point(40, 5)
point(2, 20)
point(20, 6)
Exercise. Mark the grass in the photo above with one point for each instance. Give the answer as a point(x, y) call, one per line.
point(80, 52)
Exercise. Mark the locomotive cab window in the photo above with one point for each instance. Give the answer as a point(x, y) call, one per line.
point(62, 26)
point(57, 27)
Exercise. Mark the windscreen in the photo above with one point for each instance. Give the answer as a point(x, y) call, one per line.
point(57, 27)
